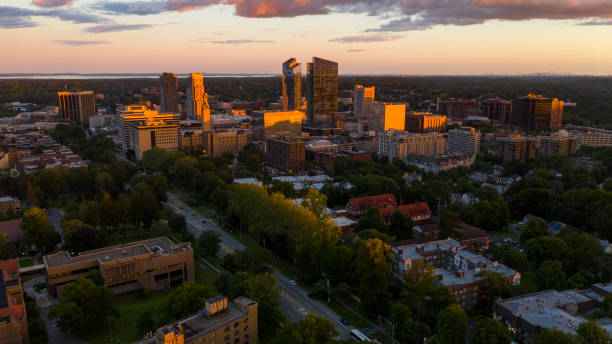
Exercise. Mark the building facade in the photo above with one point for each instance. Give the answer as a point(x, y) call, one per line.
point(363, 97)
point(155, 264)
point(322, 92)
point(515, 147)
point(401, 144)
point(286, 154)
point(425, 122)
point(464, 140)
point(139, 114)
point(359, 206)
point(219, 322)
point(197, 100)
point(148, 134)
point(386, 116)
point(459, 108)
point(13, 317)
point(76, 106)
point(274, 124)
point(557, 145)
point(292, 85)
point(537, 113)
point(169, 93)
point(230, 141)
point(497, 110)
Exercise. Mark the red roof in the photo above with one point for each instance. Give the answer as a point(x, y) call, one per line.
point(415, 209)
point(13, 230)
point(378, 201)
point(470, 232)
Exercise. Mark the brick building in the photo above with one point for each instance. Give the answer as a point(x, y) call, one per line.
point(286, 153)
point(13, 318)
point(357, 207)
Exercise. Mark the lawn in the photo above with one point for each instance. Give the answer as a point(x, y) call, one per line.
point(130, 306)
point(26, 262)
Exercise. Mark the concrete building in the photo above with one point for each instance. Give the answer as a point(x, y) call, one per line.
point(386, 116)
point(100, 121)
point(515, 147)
point(13, 317)
point(497, 110)
point(363, 98)
point(155, 264)
point(537, 113)
point(425, 122)
point(286, 153)
point(401, 144)
point(292, 85)
point(153, 133)
point(9, 204)
point(169, 93)
point(230, 140)
point(274, 124)
point(138, 114)
point(464, 140)
point(219, 322)
point(197, 100)
point(322, 93)
point(76, 106)
point(459, 108)
point(560, 144)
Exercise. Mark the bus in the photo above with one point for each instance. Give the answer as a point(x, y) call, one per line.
point(360, 337)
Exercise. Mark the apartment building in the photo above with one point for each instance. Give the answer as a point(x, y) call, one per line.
point(464, 140)
point(425, 122)
point(286, 153)
point(401, 144)
point(155, 264)
point(559, 144)
point(13, 317)
point(146, 135)
point(515, 147)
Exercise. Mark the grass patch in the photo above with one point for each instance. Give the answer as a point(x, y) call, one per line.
point(124, 329)
point(26, 262)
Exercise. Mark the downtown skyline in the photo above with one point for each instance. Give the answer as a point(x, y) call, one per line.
point(469, 37)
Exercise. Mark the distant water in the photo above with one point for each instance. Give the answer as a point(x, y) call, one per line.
point(120, 76)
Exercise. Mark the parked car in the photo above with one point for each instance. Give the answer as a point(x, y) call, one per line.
point(292, 282)
point(344, 322)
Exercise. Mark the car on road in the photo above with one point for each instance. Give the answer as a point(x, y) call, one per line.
point(302, 311)
point(182, 207)
point(312, 296)
point(203, 221)
point(193, 214)
point(344, 322)
point(292, 282)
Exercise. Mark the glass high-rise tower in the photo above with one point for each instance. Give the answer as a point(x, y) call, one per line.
point(292, 85)
point(169, 93)
point(197, 100)
point(322, 92)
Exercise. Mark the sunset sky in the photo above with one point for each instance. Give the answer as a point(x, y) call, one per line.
point(256, 36)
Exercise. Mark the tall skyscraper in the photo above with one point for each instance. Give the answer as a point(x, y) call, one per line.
point(292, 85)
point(197, 100)
point(535, 112)
point(363, 97)
point(169, 93)
point(76, 106)
point(322, 92)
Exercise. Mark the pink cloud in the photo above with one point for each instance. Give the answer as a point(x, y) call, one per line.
point(51, 3)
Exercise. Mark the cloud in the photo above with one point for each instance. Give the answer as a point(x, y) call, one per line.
point(16, 17)
point(114, 27)
point(79, 43)
point(365, 39)
point(51, 3)
point(596, 23)
point(143, 8)
point(355, 50)
point(238, 41)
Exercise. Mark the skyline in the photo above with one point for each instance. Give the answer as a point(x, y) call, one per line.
point(469, 37)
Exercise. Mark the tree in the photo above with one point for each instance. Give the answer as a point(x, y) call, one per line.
point(452, 324)
point(315, 202)
point(143, 205)
point(286, 188)
point(405, 329)
point(418, 283)
point(210, 243)
point(536, 228)
point(449, 222)
point(186, 299)
point(7, 250)
point(252, 259)
point(38, 231)
point(497, 285)
point(546, 248)
point(177, 222)
point(400, 226)
point(547, 336)
point(311, 330)
point(371, 219)
point(80, 236)
point(374, 234)
point(262, 289)
point(551, 275)
point(37, 332)
point(83, 306)
point(591, 333)
point(374, 271)
point(515, 259)
point(145, 322)
point(490, 331)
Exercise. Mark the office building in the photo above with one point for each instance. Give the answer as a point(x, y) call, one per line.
point(76, 106)
point(363, 98)
point(425, 122)
point(560, 144)
point(197, 100)
point(459, 108)
point(386, 116)
point(169, 93)
point(153, 133)
point(515, 147)
point(139, 114)
point(537, 113)
point(286, 154)
point(464, 140)
point(226, 141)
point(13, 317)
point(273, 124)
point(322, 93)
point(292, 85)
point(497, 110)
point(155, 264)
point(220, 321)
point(401, 144)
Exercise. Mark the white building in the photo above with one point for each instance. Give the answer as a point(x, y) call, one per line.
point(464, 140)
point(363, 97)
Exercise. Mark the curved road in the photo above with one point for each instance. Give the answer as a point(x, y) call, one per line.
point(295, 303)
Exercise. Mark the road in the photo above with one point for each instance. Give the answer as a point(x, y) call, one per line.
point(295, 302)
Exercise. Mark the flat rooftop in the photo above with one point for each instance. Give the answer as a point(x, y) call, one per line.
point(107, 254)
point(415, 251)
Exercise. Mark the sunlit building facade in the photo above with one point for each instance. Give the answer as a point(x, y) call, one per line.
point(515, 147)
point(197, 100)
point(139, 114)
point(270, 124)
point(464, 140)
point(76, 106)
point(363, 98)
point(147, 134)
point(401, 144)
point(169, 93)
point(292, 85)
point(387, 116)
point(425, 122)
point(537, 113)
point(322, 92)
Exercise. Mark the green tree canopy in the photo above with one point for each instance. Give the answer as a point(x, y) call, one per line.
point(452, 324)
point(490, 331)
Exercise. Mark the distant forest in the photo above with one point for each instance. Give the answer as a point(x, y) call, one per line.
point(592, 94)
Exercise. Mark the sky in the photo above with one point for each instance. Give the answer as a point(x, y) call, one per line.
point(411, 37)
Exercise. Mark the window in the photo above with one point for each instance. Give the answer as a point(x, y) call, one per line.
point(236, 325)
point(161, 277)
point(227, 329)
